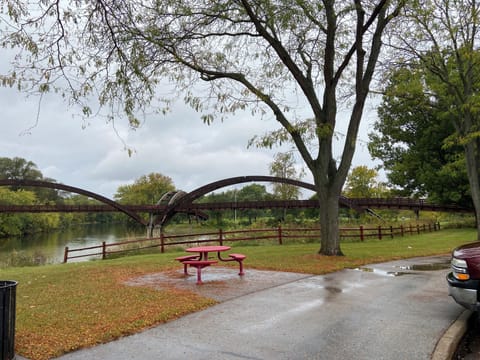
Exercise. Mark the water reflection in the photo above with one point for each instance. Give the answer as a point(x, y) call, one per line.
point(427, 267)
point(49, 247)
point(411, 269)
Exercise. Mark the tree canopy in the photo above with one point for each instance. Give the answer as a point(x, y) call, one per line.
point(443, 36)
point(18, 168)
point(290, 59)
point(147, 189)
point(283, 165)
point(412, 137)
point(362, 182)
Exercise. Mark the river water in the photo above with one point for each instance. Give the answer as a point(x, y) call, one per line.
point(49, 247)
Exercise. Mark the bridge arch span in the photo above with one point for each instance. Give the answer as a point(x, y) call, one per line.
point(51, 185)
point(188, 198)
point(170, 197)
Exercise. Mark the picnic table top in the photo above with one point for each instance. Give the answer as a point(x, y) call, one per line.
point(209, 248)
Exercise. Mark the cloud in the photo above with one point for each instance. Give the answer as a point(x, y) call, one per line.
point(91, 155)
point(189, 152)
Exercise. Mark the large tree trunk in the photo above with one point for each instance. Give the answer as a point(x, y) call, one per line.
point(329, 223)
point(472, 156)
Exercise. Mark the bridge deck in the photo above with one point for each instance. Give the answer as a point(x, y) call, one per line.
point(364, 203)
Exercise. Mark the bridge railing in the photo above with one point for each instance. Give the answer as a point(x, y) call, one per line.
point(278, 235)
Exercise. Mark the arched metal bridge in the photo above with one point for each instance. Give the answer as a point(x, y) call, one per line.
point(174, 202)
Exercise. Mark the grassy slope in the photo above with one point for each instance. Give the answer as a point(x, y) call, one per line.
point(64, 307)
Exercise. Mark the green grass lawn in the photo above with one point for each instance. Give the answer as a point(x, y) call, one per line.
point(65, 307)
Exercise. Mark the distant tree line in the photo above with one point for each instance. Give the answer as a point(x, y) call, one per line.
point(27, 223)
point(362, 182)
point(147, 189)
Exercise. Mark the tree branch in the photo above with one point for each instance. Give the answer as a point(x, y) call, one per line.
point(303, 82)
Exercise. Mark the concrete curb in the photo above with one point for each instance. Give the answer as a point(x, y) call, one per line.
point(448, 343)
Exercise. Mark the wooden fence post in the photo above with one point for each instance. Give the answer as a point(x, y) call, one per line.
point(379, 232)
point(418, 229)
point(65, 255)
point(104, 250)
point(280, 240)
point(162, 243)
point(220, 236)
point(401, 229)
point(391, 231)
point(361, 233)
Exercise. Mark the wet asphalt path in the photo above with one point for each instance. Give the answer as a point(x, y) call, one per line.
point(394, 310)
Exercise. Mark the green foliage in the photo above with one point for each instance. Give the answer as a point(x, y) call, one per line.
point(283, 166)
point(147, 189)
point(413, 139)
point(219, 217)
point(447, 33)
point(18, 224)
point(307, 129)
point(68, 219)
point(21, 169)
point(249, 217)
point(22, 223)
point(253, 192)
point(22, 259)
point(362, 182)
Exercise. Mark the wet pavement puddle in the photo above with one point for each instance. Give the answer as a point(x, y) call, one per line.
point(223, 283)
point(219, 283)
point(414, 269)
point(385, 272)
point(427, 267)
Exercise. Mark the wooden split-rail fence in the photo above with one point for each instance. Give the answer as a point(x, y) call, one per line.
point(278, 234)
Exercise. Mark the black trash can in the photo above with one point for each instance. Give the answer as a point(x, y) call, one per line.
point(8, 291)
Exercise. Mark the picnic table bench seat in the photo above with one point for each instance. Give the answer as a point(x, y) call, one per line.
point(182, 259)
point(238, 258)
point(199, 265)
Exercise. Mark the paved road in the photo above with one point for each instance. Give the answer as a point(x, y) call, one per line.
point(394, 310)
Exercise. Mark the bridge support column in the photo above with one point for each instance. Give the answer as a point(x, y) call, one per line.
point(417, 214)
point(153, 230)
point(150, 227)
point(156, 231)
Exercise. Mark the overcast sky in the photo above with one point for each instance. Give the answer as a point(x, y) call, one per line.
point(179, 145)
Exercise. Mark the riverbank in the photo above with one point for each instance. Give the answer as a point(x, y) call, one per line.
point(48, 247)
point(61, 308)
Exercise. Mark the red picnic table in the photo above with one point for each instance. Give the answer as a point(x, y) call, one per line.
point(201, 260)
point(204, 250)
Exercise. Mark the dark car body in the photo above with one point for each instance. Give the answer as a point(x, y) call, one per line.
point(464, 280)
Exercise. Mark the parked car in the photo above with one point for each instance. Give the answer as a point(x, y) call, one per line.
point(464, 280)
